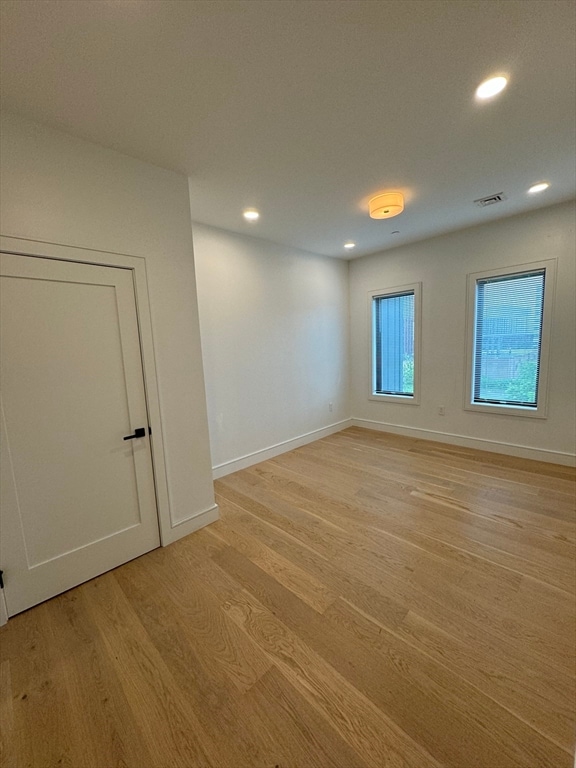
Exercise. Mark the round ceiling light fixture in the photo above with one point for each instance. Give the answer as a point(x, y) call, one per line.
point(491, 87)
point(251, 214)
point(385, 206)
point(349, 245)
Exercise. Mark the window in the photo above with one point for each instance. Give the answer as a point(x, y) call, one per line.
point(508, 340)
point(395, 318)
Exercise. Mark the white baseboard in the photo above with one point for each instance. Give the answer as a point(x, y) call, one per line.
point(220, 470)
point(193, 523)
point(510, 449)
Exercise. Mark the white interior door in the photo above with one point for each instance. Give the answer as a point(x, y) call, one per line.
point(77, 498)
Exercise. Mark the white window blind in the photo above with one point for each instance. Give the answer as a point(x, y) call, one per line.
point(394, 344)
point(508, 338)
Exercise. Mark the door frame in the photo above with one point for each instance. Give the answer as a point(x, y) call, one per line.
point(137, 264)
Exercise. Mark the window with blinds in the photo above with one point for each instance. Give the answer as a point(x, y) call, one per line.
point(508, 338)
point(394, 343)
point(510, 315)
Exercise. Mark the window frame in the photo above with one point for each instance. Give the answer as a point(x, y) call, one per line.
point(416, 288)
point(541, 409)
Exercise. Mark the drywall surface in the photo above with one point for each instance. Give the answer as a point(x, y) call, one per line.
point(60, 189)
point(442, 264)
point(274, 325)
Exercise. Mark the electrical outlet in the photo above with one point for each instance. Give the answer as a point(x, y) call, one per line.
point(441, 410)
point(330, 407)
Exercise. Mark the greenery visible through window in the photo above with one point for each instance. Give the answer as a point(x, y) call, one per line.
point(507, 339)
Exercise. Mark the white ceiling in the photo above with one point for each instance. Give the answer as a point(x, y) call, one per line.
point(306, 109)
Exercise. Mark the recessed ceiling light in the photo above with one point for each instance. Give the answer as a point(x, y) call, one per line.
point(251, 214)
point(540, 187)
point(491, 87)
point(350, 245)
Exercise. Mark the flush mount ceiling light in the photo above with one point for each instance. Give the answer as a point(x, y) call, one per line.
point(491, 87)
point(540, 187)
point(385, 206)
point(350, 245)
point(251, 214)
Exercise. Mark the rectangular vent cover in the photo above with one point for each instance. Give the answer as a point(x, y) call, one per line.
point(482, 202)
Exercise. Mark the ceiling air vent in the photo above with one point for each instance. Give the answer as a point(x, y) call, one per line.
point(482, 202)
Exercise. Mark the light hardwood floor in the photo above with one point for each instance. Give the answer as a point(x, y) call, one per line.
point(366, 600)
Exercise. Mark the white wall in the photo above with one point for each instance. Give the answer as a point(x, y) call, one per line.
point(60, 189)
point(274, 321)
point(274, 324)
point(441, 264)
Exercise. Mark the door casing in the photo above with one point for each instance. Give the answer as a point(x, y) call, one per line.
point(137, 264)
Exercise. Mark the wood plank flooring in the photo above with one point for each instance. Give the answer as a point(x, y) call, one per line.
point(366, 600)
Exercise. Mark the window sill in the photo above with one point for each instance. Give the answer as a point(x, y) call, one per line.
point(398, 399)
point(508, 410)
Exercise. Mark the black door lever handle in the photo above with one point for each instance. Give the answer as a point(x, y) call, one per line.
point(140, 432)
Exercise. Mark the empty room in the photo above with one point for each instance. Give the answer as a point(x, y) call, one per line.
point(287, 377)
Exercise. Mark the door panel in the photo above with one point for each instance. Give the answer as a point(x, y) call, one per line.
point(72, 387)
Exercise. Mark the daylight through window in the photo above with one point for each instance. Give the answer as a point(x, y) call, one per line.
point(393, 348)
point(507, 339)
